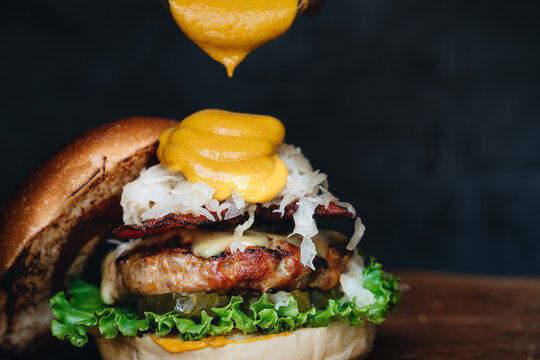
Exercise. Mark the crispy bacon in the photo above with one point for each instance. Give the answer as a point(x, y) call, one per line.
point(333, 211)
point(168, 222)
point(189, 221)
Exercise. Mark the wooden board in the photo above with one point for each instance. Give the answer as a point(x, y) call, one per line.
point(463, 317)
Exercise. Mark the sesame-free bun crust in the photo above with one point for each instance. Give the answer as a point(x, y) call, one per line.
point(52, 222)
point(338, 341)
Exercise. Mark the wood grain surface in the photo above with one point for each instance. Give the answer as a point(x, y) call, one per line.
point(445, 316)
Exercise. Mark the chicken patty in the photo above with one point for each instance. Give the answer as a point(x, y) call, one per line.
point(170, 263)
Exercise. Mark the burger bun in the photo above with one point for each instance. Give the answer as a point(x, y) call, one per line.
point(338, 341)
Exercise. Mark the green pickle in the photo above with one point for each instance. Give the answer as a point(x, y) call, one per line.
point(188, 305)
point(319, 299)
point(302, 297)
point(192, 305)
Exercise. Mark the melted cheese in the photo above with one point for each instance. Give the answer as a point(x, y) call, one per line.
point(208, 244)
point(228, 151)
point(216, 243)
point(228, 30)
point(176, 346)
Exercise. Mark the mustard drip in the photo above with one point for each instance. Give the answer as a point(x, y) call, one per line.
point(228, 30)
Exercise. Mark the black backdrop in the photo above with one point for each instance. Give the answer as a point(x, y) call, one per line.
point(426, 114)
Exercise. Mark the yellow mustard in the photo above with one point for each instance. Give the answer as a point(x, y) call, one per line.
point(228, 30)
point(227, 151)
point(176, 346)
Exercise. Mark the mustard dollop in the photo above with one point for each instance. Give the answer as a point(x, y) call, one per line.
point(228, 30)
point(228, 151)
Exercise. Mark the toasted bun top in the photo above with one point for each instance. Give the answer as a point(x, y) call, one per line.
point(80, 183)
point(43, 194)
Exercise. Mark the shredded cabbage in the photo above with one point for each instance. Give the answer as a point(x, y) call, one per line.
point(359, 230)
point(240, 229)
point(158, 192)
point(352, 283)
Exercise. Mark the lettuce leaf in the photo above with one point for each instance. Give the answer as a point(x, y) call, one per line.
point(83, 310)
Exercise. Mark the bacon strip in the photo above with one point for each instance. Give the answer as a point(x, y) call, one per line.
point(189, 221)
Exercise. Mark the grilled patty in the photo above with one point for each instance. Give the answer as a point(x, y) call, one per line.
point(166, 263)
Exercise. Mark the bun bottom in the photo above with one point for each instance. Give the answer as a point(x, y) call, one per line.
point(338, 341)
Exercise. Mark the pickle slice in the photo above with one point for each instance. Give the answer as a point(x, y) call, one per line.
point(192, 305)
point(303, 300)
point(188, 305)
point(319, 299)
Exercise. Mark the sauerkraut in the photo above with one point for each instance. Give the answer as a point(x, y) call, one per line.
point(159, 192)
point(352, 283)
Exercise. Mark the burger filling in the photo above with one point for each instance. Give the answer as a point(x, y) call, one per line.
point(209, 266)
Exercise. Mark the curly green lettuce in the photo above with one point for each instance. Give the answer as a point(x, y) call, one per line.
point(83, 310)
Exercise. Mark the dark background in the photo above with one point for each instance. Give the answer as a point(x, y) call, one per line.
point(425, 114)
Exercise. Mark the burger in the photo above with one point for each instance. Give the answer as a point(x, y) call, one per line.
point(187, 240)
